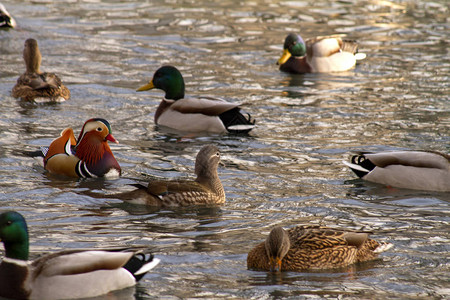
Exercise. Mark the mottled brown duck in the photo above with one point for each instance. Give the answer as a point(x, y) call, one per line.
point(206, 189)
point(313, 247)
point(36, 85)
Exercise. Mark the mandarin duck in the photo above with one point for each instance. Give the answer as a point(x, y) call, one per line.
point(6, 21)
point(36, 85)
point(418, 170)
point(194, 114)
point(206, 189)
point(319, 54)
point(89, 156)
point(67, 274)
point(312, 247)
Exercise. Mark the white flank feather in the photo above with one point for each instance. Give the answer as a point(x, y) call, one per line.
point(360, 56)
point(355, 167)
point(147, 267)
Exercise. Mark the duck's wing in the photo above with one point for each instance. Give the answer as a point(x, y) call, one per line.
point(162, 188)
point(79, 261)
point(205, 106)
point(84, 274)
point(316, 237)
point(59, 158)
point(420, 159)
point(326, 46)
point(30, 86)
point(61, 145)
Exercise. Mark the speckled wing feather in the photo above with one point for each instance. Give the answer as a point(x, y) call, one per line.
point(45, 85)
point(316, 237)
point(181, 193)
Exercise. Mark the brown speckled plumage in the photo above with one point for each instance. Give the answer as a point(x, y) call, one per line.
point(313, 247)
point(206, 189)
point(35, 84)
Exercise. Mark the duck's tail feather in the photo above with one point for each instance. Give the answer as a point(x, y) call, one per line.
point(236, 122)
point(349, 46)
point(5, 18)
point(360, 165)
point(140, 264)
point(36, 153)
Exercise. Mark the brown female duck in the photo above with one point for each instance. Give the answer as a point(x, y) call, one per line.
point(37, 85)
point(206, 189)
point(312, 247)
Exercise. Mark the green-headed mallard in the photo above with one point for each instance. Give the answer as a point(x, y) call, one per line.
point(6, 21)
point(89, 156)
point(37, 85)
point(194, 114)
point(206, 189)
point(419, 170)
point(317, 55)
point(64, 275)
point(312, 247)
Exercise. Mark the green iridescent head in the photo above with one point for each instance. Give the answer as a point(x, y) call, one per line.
point(14, 235)
point(293, 46)
point(168, 79)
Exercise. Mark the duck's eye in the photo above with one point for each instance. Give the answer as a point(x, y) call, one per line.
point(8, 223)
point(99, 129)
point(218, 154)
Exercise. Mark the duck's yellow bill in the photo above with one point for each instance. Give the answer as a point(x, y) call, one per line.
point(286, 55)
point(146, 87)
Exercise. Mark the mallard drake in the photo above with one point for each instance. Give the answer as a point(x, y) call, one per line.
point(34, 84)
point(89, 156)
point(419, 170)
point(6, 21)
point(206, 189)
point(319, 54)
point(194, 114)
point(313, 247)
point(68, 274)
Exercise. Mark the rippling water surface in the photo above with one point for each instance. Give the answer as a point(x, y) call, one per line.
point(287, 171)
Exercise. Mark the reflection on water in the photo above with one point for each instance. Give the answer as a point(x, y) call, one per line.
point(288, 170)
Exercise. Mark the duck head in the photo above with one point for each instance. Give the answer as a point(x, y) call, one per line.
point(277, 246)
point(207, 161)
point(293, 46)
point(32, 56)
point(168, 79)
point(14, 235)
point(93, 140)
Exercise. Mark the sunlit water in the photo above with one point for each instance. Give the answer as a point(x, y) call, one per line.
point(287, 171)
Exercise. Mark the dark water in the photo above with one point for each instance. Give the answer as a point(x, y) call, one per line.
point(287, 171)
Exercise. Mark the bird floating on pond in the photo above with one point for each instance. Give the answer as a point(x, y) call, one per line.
point(418, 170)
point(206, 189)
point(318, 55)
point(194, 115)
point(313, 247)
point(67, 274)
point(34, 85)
point(89, 156)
